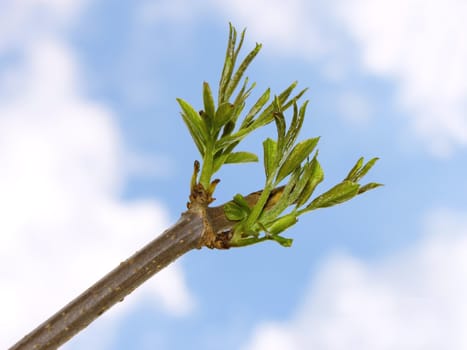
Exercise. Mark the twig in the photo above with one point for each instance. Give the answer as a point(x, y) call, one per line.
point(182, 237)
point(196, 227)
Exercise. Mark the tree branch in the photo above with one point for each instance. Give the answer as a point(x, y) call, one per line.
point(196, 228)
point(182, 237)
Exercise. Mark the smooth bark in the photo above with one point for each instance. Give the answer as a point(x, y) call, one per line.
point(182, 237)
point(199, 226)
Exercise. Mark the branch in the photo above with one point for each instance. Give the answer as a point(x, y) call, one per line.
point(196, 228)
point(182, 237)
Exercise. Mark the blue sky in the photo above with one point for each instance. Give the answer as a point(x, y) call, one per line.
point(95, 161)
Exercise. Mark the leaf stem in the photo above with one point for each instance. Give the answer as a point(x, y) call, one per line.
point(259, 206)
point(207, 168)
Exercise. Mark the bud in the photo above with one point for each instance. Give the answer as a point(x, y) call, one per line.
point(282, 224)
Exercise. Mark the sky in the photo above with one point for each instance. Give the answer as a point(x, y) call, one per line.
point(95, 162)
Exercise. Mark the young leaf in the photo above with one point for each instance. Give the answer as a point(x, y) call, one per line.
point(283, 223)
point(208, 100)
point(280, 126)
point(353, 172)
point(234, 212)
point(241, 70)
point(338, 194)
point(266, 116)
point(365, 169)
point(283, 201)
point(296, 157)
point(315, 178)
point(295, 125)
point(240, 44)
point(223, 115)
point(293, 100)
point(270, 154)
point(243, 93)
point(241, 201)
point(368, 187)
point(228, 128)
point(241, 157)
point(285, 242)
point(284, 95)
point(229, 140)
point(256, 108)
point(195, 124)
point(303, 178)
point(242, 96)
point(219, 161)
point(229, 62)
point(238, 109)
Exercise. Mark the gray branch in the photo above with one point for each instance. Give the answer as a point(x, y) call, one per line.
point(182, 237)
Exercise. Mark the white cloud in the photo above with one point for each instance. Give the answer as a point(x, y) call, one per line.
point(421, 45)
point(295, 27)
point(63, 224)
point(412, 300)
point(175, 11)
point(24, 21)
point(354, 107)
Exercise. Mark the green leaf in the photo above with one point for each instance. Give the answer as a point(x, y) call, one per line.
point(353, 172)
point(241, 70)
point(264, 118)
point(315, 178)
point(228, 128)
point(256, 108)
point(228, 140)
point(284, 95)
point(240, 200)
point(243, 93)
point(295, 125)
point(240, 44)
point(285, 242)
point(283, 223)
point(223, 115)
point(195, 124)
point(230, 80)
point(280, 127)
point(242, 96)
point(238, 109)
point(291, 101)
point(338, 194)
point(285, 200)
point(359, 170)
point(229, 63)
point(219, 161)
point(365, 169)
point(270, 153)
point(234, 212)
point(303, 178)
point(296, 157)
point(240, 103)
point(241, 157)
point(368, 187)
point(266, 115)
point(209, 107)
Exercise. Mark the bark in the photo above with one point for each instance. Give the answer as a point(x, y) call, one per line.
point(182, 237)
point(199, 226)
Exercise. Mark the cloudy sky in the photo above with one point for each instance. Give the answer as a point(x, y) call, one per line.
point(95, 162)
